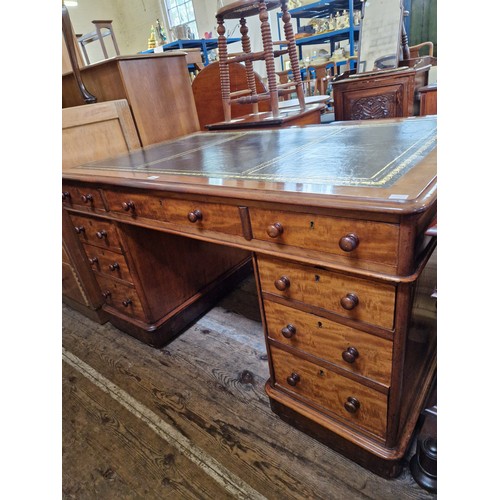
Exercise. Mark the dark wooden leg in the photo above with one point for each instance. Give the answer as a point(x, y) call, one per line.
point(225, 83)
point(68, 38)
point(267, 42)
point(245, 43)
point(292, 53)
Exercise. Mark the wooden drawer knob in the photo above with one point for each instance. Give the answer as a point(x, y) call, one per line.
point(128, 206)
point(127, 302)
point(349, 242)
point(293, 379)
point(349, 302)
point(352, 405)
point(87, 198)
point(106, 294)
point(93, 260)
point(114, 267)
point(282, 283)
point(350, 355)
point(66, 196)
point(79, 229)
point(288, 331)
point(274, 230)
point(101, 234)
point(195, 216)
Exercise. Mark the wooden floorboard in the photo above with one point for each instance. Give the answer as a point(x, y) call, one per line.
point(191, 420)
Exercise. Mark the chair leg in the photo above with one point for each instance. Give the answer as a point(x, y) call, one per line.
point(245, 43)
point(225, 83)
point(267, 42)
point(292, 53)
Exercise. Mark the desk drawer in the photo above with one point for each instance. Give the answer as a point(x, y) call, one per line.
point(73, 196)
point(107, 262)
point(361, 240)
point(353, 350)
point(356, 298)
point(97, 232)
point(121, 297)
point(350, 400)
point(189, 214)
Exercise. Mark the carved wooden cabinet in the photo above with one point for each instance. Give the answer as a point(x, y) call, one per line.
point(343, 263)
point(388, 94)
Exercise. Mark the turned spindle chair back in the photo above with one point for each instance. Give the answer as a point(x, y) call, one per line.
point(241, 10)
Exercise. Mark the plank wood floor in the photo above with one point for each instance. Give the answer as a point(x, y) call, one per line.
point(191, 420)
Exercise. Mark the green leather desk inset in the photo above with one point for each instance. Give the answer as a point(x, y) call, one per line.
point(333, 219)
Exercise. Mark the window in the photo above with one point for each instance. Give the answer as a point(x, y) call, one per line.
point(181, 13)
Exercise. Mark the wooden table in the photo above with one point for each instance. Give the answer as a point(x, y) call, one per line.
point(333, 219)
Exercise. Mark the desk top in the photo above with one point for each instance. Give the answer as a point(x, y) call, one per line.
point(375, 165)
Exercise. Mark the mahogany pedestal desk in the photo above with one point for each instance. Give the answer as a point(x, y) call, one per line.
point(334, 219)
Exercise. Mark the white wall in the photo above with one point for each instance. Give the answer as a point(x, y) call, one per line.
point(132, 20)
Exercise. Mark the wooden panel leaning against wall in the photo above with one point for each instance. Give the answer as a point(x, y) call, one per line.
point(90, 132)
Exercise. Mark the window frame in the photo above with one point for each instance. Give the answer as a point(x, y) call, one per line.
point(176, 8)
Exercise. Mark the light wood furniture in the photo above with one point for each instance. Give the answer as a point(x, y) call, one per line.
point(103, 28)
point(157, 88)
point(90, 132)
point(97, 131)
point(339, 250)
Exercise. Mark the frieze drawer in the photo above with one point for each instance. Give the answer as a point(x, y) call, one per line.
point(107, 262)
point(350, 400)
point(194, 216)
point(355, 298)
point(355, 239)
point(96, 232)
point(121, 297)
point(82, 197)
point(348, 348)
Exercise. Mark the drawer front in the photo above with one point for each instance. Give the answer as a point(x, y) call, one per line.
point(77, 197)
point(107, 262)
point(121, 297)
point(96, 232)
point(356, 298)
point(353, 350)
point(192, 215)
point(331, 391)
point(356, 239)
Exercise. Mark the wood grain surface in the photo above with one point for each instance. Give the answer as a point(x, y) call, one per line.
point(325, 290)
point(328, 340)
point(204, 390)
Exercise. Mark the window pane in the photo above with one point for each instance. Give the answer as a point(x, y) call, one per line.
point(193, 28)
point(190, 11)
point(174, 17)
point(183, 14)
